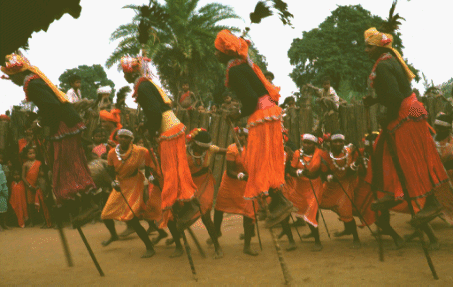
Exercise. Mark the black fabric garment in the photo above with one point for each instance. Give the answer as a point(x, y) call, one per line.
point(247, 87)
point(391, 85)
point(152, 104)
point(51, 110)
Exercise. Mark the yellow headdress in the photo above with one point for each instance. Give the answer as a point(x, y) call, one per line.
point(16, 63)
point(385, 40)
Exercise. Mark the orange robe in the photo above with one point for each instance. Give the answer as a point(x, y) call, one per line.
point(265, 152)
point(41, 205)
point(230, 198)
point(363, 196)
point(32, 178)
point(303, 194)
point(203, 178)
point(334, 198)
point(18, 202)
point(22, 144)
point(131, 182)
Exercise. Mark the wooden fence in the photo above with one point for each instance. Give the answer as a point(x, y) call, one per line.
point(351, 119)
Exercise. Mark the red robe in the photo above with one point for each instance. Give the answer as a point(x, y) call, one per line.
point(18, 202)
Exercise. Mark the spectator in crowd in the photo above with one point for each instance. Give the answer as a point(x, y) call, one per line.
point(74, 93)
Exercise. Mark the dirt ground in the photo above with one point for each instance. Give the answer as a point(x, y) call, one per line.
point(35, 256)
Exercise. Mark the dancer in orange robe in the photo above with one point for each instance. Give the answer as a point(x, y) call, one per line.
point(125, 202)
point(306, 168)
point(200, 152)
point(405, 126)
point(18, 199)
point(178, 188)
point(340, 168)
point(230, 197)
point(259, 98)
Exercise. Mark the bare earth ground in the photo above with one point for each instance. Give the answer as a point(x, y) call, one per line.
point(35, 256)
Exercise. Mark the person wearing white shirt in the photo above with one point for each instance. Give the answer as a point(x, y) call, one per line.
point(74, 94)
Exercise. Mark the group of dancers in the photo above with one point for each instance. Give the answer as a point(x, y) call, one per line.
point(264, 175)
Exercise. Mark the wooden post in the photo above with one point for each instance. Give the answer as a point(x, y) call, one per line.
point(194, 121)
point(305, 119)
point(348, 125)
point(361, 121)
point(221, 142)
point(204, 120)
point(214, 131)
point(294, 133)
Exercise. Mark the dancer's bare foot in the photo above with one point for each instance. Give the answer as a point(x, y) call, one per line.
point(356, 244)
point(248, 250)
point(318, 247)
point(434, 245)
point(218, 253)
point(179, 251)
point(110, 240)
point(309, 235)
point(169, 241)
point(149, 253)
point(291, 246)
point(157, 239)
point(399, 243)
point(128, 231)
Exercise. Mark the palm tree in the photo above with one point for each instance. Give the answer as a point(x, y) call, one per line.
point(182, 47)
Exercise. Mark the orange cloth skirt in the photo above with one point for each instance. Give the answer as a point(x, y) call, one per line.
point(416, 152)
point(363, 197)
point(335, 199)
point(153, 210)
point(230, 198)
point(205, 191)
point(117, 209)
point(41, 205)
point(18, 202)
point(178, 183)
point(304, 200)
point(264, 155)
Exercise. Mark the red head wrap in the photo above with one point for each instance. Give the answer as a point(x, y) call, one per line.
point(112, 116)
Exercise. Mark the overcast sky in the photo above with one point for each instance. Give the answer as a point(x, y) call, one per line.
point(70, 42)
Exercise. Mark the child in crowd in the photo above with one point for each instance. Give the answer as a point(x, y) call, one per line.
point(100, 148)
point(18, 199)
point(74, 93)
point(30, 173)
point(42, 198)
point(3, 199)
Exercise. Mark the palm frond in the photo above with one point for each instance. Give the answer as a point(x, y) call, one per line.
point(261, 11)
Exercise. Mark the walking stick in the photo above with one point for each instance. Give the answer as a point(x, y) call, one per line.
point(90, 251)
point(197, 243)
point(374, 191)
point(188, 250)
point(239, 146)
point(64, 241)
point(257, 227)
point(402, 178)
point(319, 208)
point(285, 270)
point(297, 230)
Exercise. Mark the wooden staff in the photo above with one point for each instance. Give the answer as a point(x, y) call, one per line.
point(188, 250)
point(319, 209)
point(402, 178)
point(374, 191)
point(257, 227)
point(64, 241)
point(60, 225)
point(197, 243)
point(297, 230)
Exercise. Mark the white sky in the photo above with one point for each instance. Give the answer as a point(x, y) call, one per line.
point(70, 42)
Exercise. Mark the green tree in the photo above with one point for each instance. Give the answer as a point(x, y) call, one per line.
point(182, 47)
point(336, 49)
point(93, 77)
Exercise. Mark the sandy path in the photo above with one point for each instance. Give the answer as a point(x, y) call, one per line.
point(35, 256)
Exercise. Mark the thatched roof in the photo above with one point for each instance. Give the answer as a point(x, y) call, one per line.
point(20, 18)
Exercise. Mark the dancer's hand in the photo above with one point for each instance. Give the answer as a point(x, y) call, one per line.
point(234, 115)
point(116, 186)
point(368, 101)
